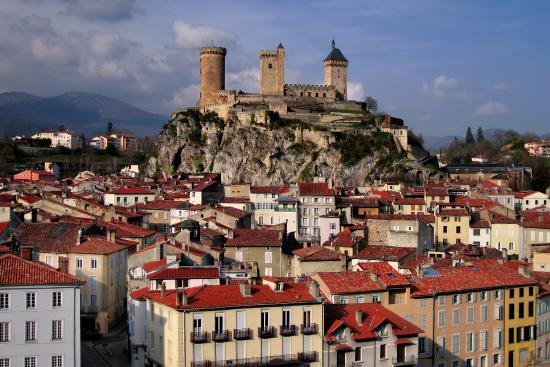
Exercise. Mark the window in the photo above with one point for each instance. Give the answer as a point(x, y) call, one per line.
point(30, 331)
point(4, 332)
point(421, 345)
point(56, 299)
point(531, 308)
point(483, 314)
point(4, 301)
point(471, 297)
point(57, 361)
point(268, 257)
point(531, 291)
point(441, 345)
point(441, 300)
point(357, 354)
point(423, 302)
point(441, 319)
point(456, 316)
point(344, 300)
point(456, 299)
point(512, 293)
point(456, 344)
point(57, 329)
point(497, 338)
point(470, 315)
point(79, 262)
point(521, 310)
point(457, 229)
point(93, 263)
point(496, 358)
point(469, 362)
point(484, 296)
point(471, 341)
point(498, 294)
point(511, 310)
point(360, 299)
point(422, 321)
point(498, 312)
point(264, 320)
point(444, 229)
point(30, 361)
point(333, 226)
point(4, 362)
point(31, 300)
point(511, 335)
point(521, 292)
point(382, 351)
point(483, 340)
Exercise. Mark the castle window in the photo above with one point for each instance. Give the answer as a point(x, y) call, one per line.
point(316, 94)
point(270, 66)
point(309, 94)
point(324, 95)
point(301, 94)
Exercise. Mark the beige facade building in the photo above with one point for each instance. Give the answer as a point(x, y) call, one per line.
point(271, 323)
point(452, 226)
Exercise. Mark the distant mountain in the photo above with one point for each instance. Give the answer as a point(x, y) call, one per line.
point(22, 113)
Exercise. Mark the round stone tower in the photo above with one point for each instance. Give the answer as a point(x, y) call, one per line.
point(212, 61)
point(336, 72)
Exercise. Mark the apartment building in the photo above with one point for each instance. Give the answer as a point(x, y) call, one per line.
point(452, 226)
point(252, 325)
point(316, 199)
point(39, 315)
point(102, 266)
point(505, 233)
point(263, 247)
point(128, 196)
point(273, 205)
point(525, 200)
point(365, 334)
point(63, 138)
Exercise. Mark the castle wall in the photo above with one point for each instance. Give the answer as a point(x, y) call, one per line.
point(320, 92)
point(400, 135)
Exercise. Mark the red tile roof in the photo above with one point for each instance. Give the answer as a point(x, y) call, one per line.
point(128, 230)
point(255, 238)
point(386, 274)
point(343, 239)
point(186, 272)
point(373, 317)
point(268, 189)
point(424, 218)
point(317, 253)
point(480, 274)
point(4, 249)
point(49, 237)
point(236, 200)
point(154, 265)
point(96, 246)
point(410, 201)
point(524, 194)
point(501, 219)
point(315, 189)
point(350, 282)
point(159, 205)
point(453, 213)
point(18, 271)
point(30, 199)
point(233, 212)
point(230, 296)
point(140, 294)
point(385, 253)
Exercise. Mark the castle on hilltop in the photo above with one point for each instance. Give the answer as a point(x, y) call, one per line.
point(272, 79)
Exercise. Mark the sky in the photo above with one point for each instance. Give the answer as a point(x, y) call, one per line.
point(440, 65)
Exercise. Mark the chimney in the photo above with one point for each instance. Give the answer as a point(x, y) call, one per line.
point(79, 236)
point(504, 254)
point(111, 234)
point(246, 289)
point(26, 253)
point(314, 289)
point(163, 290)
point(181, 297)
point(63, 264)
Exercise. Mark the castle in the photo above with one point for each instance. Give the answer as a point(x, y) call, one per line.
point(272, 79)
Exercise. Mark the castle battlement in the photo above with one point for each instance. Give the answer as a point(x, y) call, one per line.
point(214, 50)
point(272, 53)
point(309, 86)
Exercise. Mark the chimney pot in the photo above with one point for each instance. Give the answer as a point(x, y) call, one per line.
point(163, 290)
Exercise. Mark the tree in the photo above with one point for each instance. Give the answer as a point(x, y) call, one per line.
point(109, 129)
point(480, 136)
point(371, 104)
point(469, 137)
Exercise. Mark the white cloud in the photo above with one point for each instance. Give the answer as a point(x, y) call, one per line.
point(502, 87)
point(186, 96)
point(491, 108)
point(247, 80)
point(107, 44)
point(190, 36)
point(440, 87)
point(107, 70)
point(356, 91)
point(51, 49)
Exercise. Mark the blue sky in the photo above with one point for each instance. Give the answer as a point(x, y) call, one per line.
point(440, 65)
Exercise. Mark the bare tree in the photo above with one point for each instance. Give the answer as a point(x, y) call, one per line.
point(371, 104)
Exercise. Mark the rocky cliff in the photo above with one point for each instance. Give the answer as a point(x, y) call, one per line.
point(282, 151)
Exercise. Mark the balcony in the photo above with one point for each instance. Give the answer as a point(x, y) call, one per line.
point(309, 329)
point(221, 336)
point(199, 337)
point(266, 332)
point(404, 360)
point(287, 330)
point(308, 356)
point(242, 334)
point(280, 360)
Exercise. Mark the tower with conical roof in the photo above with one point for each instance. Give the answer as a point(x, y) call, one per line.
point(272, 71)
point(336, 72)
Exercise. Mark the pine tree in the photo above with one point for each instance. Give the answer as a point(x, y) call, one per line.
point(469, 137)
point(480, 136)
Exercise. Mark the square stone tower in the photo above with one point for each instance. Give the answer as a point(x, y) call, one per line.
point(272, 71)
point(336, 72)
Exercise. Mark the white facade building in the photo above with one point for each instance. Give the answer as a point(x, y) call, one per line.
point(64, 138)
point(39, 315)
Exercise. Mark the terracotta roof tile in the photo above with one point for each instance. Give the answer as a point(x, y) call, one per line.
point(186, 272)
point(49, 237)
point(97, 246)
point(315, 189)
point(386, 274)
point(131, 190)
point(268, 189)
point(254, 238)
point(17, 271)
point(385, 253)
point(154, 265)
point(350, 282)
point(317, 253)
